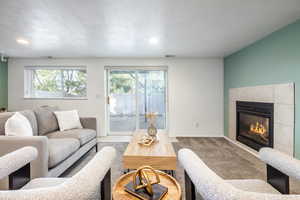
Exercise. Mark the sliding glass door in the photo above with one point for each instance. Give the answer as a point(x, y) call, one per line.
point(131, 95)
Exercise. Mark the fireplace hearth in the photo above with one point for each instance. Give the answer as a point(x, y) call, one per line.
point(254, 125)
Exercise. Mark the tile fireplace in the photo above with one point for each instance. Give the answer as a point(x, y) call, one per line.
point(254, 124)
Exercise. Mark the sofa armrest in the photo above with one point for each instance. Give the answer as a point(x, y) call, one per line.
point(89, 122)
point(39, 167)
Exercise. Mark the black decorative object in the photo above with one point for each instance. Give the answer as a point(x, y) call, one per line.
point(145, 188)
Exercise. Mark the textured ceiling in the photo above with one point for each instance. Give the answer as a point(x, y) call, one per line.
point(122, 28)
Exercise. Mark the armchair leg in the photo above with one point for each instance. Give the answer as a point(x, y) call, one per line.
point(96, 146)
point(278, 180)
point(190, 192)
point(106, 186)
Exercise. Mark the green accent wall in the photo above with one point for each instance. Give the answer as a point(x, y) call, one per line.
point(272, 60)
point(3, 84)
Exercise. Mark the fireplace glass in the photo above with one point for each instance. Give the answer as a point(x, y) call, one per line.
point(255, 124)
point(254, 127)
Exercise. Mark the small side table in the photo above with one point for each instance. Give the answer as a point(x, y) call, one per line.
point(174, 189)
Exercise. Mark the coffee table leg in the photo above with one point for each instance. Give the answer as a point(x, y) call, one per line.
point(170, 172)
point(173, 173)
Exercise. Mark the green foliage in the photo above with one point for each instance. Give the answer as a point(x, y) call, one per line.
point(47, 80)
point(71, 83)
point(121, 83)
point(74, 83)
point(124, 82)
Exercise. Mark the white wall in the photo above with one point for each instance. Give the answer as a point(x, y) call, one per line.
point(195, 91)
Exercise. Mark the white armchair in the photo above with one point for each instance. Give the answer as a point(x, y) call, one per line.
point(85, 185)
point(212, 187)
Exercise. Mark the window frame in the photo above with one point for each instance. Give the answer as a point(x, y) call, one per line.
point(108, 69)
point(28, 83)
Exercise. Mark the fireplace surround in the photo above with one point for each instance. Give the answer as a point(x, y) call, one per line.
point(254, 124)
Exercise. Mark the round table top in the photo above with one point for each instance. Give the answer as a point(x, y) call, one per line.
point(174, 189)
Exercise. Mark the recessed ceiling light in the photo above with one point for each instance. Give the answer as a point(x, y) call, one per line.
point(22, 41)
point(153, 40)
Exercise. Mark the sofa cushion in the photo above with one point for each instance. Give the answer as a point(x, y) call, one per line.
point(83, 135)
point(29, 114)
point(46, 120)
point(18, 125)
point(3, 118)
point(60, 149)
point(68, 120)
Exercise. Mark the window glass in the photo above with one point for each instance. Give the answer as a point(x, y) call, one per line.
point(55, 83)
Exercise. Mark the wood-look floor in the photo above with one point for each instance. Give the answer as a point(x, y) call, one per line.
point(223, 157)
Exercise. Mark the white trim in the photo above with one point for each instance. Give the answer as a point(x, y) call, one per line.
point(55, 98)
point(178, 135)
point(134, 68)
point(114, 139)
point(55, 67)
point(137, 110)
point(242, 146)
point(106, 106)
point(125, 139)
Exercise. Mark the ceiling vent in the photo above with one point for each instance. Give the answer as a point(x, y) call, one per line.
point(170, 56)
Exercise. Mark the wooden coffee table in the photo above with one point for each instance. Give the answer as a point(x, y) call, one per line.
point(174, 189)
point(160, 155)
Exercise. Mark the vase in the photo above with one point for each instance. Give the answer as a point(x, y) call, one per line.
point(152, 131)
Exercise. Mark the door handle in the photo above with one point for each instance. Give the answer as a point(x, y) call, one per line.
point(108, 100)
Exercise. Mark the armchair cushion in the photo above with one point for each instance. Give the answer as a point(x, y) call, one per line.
point(83, 135)
point(60, 149)
point(43, 182)
point(253, 185)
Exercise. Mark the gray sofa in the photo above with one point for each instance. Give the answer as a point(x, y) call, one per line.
point(57, 150)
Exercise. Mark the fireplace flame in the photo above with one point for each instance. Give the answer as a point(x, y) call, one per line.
point(258, 128)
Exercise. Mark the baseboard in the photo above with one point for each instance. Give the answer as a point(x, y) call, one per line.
point(114, 139)
point(124, 139)
point(242, 146)
point(197, 135)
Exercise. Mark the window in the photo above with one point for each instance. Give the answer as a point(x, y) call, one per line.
point(132, 93)
point(55, 82)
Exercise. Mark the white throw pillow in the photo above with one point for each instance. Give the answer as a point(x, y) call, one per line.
point(18, 125)
point(68, 120)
